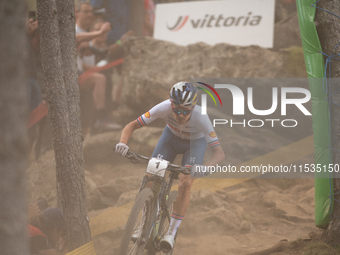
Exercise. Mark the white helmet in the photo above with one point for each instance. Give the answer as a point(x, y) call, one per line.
point(183, 94)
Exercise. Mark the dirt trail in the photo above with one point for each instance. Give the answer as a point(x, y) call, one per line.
point(248, 217)
point(242, 219)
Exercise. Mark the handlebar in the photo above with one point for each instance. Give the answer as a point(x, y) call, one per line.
point(140, 159)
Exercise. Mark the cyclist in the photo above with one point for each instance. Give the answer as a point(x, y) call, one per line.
point(188, 133)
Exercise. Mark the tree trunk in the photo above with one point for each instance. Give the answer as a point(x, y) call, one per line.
point(57, 43)
point(328, 27)
point(13, 133)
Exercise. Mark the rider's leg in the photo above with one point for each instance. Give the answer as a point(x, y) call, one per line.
point(193, 155)
point(182, 203)
point(183, 199)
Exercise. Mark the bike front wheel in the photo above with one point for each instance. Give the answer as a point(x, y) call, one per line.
point(165, 223)
point(137, 227)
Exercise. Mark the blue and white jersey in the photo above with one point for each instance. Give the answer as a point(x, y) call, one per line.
point(196, 127)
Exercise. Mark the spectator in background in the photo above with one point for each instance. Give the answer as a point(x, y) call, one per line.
point(116, 52)
point(84, 21)
point(98, 45)
point(104, 54)
point(35, 82)
point(149, 17)
point(32, 63)
point(100, 50)
point(48, 236)
point(34, 209)
point(117, 12)
point(86, 60)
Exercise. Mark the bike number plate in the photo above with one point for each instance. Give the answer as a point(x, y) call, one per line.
point(157, 166)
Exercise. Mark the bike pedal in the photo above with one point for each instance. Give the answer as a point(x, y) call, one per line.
point(136, 235)
point(141, 240)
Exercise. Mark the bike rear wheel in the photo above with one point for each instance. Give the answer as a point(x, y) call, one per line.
point(165, 223)
point(138, 222)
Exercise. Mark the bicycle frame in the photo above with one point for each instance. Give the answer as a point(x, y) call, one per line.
point(160, 205)
point(161, 191)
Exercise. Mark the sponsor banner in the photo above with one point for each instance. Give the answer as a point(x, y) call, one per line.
point(237, 22)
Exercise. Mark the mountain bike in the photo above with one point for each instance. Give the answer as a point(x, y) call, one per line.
point(150, 215)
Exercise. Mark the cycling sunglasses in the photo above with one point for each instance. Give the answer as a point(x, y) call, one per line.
point(179, 111)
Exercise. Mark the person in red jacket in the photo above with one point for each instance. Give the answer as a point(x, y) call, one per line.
point(48, 237)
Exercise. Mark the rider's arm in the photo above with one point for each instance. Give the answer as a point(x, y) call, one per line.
point(158, 111)
point(217, 157)
point(128, 130)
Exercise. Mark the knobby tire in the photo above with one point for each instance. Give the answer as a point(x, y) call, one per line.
point(144, 201)
point(164, 223)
